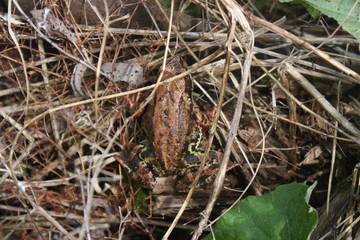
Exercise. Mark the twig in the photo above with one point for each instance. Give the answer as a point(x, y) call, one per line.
point(16, 125)
point(13, 37)
point(54, 122)
point(333, 155)
point(51, 42)
point(236, 17)
point(304, 44)
point(321, 100)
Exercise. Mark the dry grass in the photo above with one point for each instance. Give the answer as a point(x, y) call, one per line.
point(287, 109)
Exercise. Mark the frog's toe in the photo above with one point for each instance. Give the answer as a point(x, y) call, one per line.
point(184, 182)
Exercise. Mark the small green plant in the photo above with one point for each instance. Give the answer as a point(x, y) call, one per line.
point(140, 199)
point(281, 214)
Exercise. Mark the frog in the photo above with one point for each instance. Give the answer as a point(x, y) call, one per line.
point(176, 138)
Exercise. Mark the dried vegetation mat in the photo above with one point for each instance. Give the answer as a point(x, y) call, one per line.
point(75, 80)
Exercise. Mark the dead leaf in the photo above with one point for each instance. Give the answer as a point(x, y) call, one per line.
point(131, 73)
point(311, 155)
point(52, 25)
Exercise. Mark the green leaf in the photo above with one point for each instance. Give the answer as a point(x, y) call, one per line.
point(281, 214)
point(345, 12)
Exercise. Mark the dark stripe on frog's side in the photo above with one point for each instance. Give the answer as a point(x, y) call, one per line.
point(190, 158)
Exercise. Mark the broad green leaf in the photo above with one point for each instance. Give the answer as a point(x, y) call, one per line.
point(345, 12)
point(281, 214)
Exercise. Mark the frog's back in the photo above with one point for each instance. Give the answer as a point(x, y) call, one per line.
point(172, 119)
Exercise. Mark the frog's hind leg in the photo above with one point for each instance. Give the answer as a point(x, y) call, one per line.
point(207, 176)
point(139, 168)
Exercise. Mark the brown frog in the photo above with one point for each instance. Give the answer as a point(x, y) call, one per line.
point(176, 142)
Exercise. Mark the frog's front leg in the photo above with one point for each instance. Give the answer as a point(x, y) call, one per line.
point(203, 119)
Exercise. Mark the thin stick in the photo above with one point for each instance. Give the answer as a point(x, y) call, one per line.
point(333, 156)
point(321, 100)
point(237, 17)
point(304, 44)
point(52, 43)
